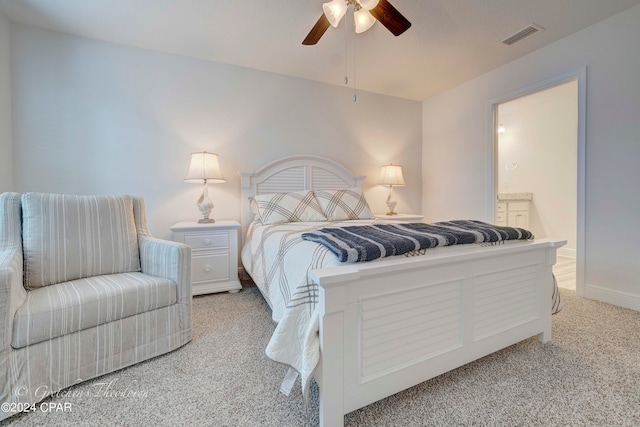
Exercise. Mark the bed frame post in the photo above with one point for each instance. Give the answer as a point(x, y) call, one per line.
point(547, 297)
point(332, 305)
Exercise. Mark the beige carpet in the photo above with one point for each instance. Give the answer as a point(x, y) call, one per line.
point(588, 375)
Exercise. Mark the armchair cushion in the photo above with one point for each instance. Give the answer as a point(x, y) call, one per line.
point(52, 311)
point(69, 237)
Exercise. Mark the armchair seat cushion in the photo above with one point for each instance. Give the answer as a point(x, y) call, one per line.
point(52, 311)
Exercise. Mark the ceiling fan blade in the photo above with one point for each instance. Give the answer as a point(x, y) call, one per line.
point(389, 16)
point(317, 31)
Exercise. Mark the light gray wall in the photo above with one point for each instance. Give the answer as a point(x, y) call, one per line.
point(541, 134)
point(6, 144)
point(99, 118)
point(455, 146)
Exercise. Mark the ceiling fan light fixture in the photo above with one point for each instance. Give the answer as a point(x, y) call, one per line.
point(334, 11)
point(366, 12)
point(368, 4)
point(363, 20)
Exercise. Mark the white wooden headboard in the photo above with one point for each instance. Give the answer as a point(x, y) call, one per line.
point(294, 173)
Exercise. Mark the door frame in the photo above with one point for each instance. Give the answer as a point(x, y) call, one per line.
point(580, 76)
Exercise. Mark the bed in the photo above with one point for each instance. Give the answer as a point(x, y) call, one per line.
point(368, 330)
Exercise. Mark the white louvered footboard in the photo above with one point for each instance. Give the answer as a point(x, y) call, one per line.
point(388, 325)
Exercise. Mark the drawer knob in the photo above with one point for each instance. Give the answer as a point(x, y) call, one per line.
point(207, 242)
point(207, 268)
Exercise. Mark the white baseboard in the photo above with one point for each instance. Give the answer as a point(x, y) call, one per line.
point(621, 299)
point(567, 253)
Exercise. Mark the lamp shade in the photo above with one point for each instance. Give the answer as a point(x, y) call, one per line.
point(334, 11)
point(391, 175)
point(204, 166)
point(368, 4)
point(364, 20)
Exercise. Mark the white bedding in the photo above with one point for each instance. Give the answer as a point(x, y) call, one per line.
point(284, 281)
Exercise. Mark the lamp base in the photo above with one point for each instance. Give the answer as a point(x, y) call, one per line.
point(391, 202)
point(205, 205)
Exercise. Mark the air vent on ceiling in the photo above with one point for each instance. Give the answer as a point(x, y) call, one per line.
point(522, 34)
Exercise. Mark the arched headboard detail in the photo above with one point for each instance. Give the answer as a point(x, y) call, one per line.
point(294, 173)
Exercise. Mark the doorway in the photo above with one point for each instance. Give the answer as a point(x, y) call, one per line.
point(537, 167)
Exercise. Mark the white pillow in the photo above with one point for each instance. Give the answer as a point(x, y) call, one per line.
point(340, 205)
point(299, 206)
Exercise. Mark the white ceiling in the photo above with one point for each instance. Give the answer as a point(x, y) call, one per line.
point(450, 41)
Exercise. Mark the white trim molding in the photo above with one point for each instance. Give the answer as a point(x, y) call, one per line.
point(580, 76)
point(621, 299)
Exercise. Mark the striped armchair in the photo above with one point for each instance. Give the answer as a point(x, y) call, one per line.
point(84, 290)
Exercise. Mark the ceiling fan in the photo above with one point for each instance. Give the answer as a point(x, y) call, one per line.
point(366, 12)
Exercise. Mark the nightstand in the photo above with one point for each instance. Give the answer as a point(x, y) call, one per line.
point(400, 217)
point(214, 259)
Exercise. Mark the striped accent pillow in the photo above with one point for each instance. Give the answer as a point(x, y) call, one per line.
point(340, 205)
point(299, 206)
point(71, 237)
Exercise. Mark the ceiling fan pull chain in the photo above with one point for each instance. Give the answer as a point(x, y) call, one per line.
point(355, 93)
point(346, 41)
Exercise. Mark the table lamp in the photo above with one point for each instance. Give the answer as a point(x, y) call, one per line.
point(204, 167)
point(391, 175)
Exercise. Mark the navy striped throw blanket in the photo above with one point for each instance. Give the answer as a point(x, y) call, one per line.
point(368, 242)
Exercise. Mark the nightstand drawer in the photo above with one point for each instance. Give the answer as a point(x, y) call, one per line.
point(207, 240)
point(209, 267)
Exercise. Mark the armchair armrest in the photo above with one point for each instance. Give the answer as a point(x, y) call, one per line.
point(12, 293)
point(163, 258)
point(171, 260)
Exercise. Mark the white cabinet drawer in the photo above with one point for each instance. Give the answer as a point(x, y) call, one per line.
point(209, 268)
point(502, 207)
point(207, 240)
point(518, 206)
